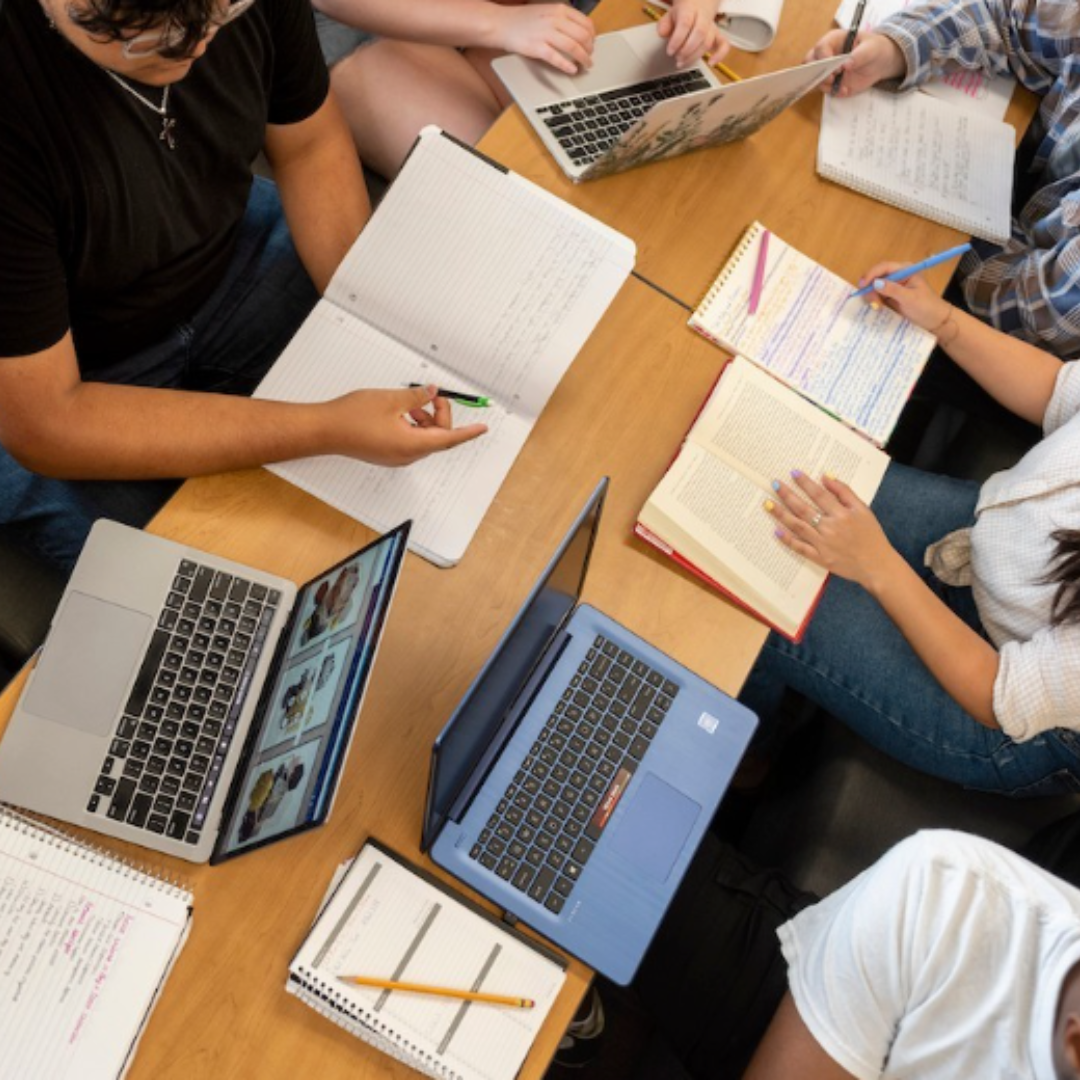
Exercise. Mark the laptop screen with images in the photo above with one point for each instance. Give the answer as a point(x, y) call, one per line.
point(471, 732)
point(294, 755)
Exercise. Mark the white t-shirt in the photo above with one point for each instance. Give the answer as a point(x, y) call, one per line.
point(943, 960)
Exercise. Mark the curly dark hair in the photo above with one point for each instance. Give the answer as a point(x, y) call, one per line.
point(119, 20)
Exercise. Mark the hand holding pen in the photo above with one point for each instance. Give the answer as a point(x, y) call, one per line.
point(909, 296)
point(874, 58)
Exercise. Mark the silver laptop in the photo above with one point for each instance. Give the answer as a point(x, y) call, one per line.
point(634, 106)
point(192, 704)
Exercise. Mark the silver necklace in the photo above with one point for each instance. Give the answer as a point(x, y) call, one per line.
point(168, 123)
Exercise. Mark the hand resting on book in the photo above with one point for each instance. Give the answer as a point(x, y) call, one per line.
point(874, 59)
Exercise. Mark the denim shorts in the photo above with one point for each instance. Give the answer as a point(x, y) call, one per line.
point(337, 40)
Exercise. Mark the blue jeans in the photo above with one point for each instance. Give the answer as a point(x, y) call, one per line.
point(225, 347)
point(856, 665)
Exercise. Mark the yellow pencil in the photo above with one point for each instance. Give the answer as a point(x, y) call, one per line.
point(439, 991)
point(724, 70)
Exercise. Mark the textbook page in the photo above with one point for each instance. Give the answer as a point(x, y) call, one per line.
point(709, 505)
point(86, 942)
point(468, 277)
point(923, 155)
point(386, 921)
point(857, 363)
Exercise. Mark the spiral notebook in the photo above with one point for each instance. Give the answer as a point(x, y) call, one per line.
point(86, 943)
point(856, 363)
point(924, 155)
point(386, 919)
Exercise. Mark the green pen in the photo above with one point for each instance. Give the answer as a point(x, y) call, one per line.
point(473, 401)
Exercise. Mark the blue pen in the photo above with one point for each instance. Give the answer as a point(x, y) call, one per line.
point(905, 272)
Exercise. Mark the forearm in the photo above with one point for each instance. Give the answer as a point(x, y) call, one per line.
point(456, 23)
point(962, 661)
point(99, 431)
point(1018, 375)
point(321, 183)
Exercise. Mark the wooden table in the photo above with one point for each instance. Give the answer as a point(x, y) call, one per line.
point(687, 214)
point(620, 411)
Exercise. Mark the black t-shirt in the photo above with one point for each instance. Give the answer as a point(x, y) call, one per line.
point(103, 229)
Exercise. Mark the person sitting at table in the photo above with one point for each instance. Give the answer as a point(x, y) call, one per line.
point(147, 283)
point(398, 66)
point(1030, 287)
point(949, 957)
point(968, 670)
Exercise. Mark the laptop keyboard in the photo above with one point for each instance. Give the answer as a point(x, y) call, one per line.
point(585, 127)
point(166, 756)
point(556, 808)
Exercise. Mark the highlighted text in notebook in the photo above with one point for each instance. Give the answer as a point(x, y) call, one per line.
point(439, 991)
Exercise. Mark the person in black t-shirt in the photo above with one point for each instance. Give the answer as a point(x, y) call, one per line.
point(147, 281)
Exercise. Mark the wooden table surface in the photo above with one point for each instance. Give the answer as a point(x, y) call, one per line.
point(620, 411)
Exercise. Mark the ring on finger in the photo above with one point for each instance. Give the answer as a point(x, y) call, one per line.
point(815, 521)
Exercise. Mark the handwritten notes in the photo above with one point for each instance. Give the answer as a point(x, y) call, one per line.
point(85, 944)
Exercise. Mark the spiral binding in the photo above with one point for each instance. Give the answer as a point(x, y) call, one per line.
point(335, 1006)
point(741, 249)
point(892, 198)
point(159, 881)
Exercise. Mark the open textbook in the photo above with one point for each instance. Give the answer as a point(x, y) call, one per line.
point(86, 942)
point(858, 363)
point(707, 512)
point(923, 155)
point(971, 89)
point(468, 277)
point(388, 920)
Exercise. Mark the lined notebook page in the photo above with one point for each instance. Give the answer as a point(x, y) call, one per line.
point(467, 277)
point(446, 494)
point(491, 276)
point(924, 155)
point(85, 944)
point(387, 922)
point(857, 363)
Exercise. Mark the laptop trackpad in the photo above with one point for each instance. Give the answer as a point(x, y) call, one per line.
point(615, 63)
point(655, 826)
point(92, 652)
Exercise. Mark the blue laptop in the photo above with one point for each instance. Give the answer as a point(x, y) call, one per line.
point(576, 778)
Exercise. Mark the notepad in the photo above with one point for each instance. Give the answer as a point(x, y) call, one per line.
point(707, 512)
point(86, 942)
point(468, 277)
point(855, 362)
point(923, 155)
point(389, 920)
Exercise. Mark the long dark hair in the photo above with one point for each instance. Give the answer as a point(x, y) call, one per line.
point(116, 20)
point(1064, 572)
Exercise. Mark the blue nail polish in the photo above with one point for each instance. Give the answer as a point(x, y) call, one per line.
point(879, 284)
point(776, 485)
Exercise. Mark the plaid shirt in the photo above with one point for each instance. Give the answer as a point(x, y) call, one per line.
point(1031, 287)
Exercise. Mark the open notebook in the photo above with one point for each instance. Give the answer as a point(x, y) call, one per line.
point(86, 942)
point(388, 920)
point(468, 277)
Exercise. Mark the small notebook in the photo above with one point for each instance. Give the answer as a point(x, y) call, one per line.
point(924, 155)
point(86, 943)
point(386, 919)
point(707, 512)
point(468, 277)
point(855, 362)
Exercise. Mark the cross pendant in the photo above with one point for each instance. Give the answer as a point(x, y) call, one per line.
point(168, 124)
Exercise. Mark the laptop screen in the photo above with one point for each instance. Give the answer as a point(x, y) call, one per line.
point(467, 745)
point(296, 748)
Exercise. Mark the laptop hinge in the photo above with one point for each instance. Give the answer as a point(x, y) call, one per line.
point(509, 724)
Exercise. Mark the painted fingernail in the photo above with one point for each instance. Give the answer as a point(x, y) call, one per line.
point(875, 306)
point(879, 284)
point(776, 485)
point(778, 533)
point(770, 506)
point(796, 474)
